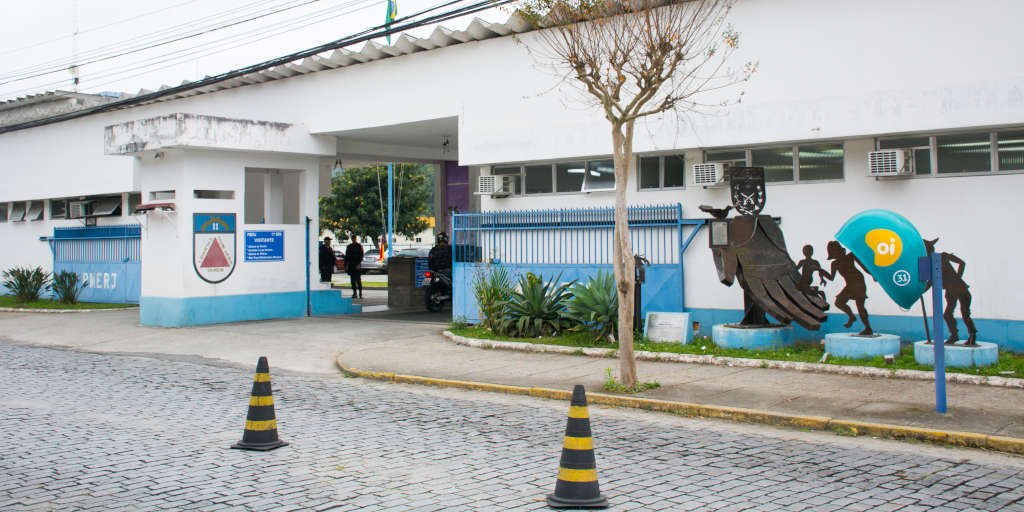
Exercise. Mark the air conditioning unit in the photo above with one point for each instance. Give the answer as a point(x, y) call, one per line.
point(710, 174)
point(79, 209)
point(890, 162)
point(495, 186)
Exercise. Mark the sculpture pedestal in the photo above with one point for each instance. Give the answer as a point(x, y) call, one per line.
point(958, 356)
point(853, 346)
point(753, 338)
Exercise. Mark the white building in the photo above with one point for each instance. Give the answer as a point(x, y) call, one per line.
point(836, 80)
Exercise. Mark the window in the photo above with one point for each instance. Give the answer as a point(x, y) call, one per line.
point(160, 195)
point(213, 194)
point(18, 212)
point(35, 210)
point(569, 176)
point(967, 152)
point(3, 212)
point(539, 179)
point(1010, 147)
point(787, 164)
point(58, 208)
point(962, 153)
point(662, 172)
point(600, 175)
point(515, 172)
point(272, 196)
point(134, 200)
point(921, 147)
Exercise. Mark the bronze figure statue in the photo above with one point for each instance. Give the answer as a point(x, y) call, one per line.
point(751, 248)
point(956, 292)
point(845, 263)
point(807, 267)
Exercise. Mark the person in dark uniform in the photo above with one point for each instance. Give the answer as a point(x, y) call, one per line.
point(326, 260)
point(353, 261)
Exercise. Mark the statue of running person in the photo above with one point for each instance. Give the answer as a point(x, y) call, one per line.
point(846, 265)
point(807, 267)
point(956, 292)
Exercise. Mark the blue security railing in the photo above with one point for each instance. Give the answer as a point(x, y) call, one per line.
point(572, 243)
point(568, 237)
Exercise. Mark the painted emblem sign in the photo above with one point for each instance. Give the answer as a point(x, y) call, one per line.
point(213, 245)
point(746, 185)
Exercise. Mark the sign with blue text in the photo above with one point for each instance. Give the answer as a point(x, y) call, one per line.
point(422, 265)
point(888, 246)
point(213, 245)
point(264, 246)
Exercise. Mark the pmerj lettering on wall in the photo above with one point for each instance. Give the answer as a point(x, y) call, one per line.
point(102, 280)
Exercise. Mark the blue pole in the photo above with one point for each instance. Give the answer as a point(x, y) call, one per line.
point(391, 205)
point(309, 306)
point(937, 343)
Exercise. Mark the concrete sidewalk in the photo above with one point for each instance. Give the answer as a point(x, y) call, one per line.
point(410, 343)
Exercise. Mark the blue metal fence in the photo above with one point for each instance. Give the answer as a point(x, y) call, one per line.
point(107, 257)
point(575, 244)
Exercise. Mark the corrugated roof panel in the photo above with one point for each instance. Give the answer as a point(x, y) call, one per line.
point(441, 37)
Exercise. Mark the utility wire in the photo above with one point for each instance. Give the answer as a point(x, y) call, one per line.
point(62, 67)
point(363, 36)
point(145, 66)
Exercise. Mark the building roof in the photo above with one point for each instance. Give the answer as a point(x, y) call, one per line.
point(333, 58)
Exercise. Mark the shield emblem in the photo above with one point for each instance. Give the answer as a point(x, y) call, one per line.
point(747, 187)
point(213, 245)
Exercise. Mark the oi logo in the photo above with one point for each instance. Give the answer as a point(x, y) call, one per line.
point(886, 245)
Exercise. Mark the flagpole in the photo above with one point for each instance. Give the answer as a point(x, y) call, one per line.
point(391, 205)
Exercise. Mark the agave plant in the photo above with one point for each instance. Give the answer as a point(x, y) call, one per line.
point(67, 286)
point(492, 288)
point(26, 283)
point(536, 308)
point(595, 305)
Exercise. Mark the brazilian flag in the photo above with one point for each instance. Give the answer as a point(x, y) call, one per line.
point(391, 15)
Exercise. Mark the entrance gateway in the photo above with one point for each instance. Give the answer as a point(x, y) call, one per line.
point(208, 183)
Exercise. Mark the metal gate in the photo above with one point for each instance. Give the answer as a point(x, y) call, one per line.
point(574, 244)
point(108, 258)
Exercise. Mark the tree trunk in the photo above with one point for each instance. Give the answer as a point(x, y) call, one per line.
point(622, 257)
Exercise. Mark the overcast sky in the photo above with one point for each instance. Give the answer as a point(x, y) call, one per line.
point(37, 38)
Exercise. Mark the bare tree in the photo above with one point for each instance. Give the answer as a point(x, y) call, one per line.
point(637, 58)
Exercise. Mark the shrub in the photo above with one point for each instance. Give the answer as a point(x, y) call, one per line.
point(67, 286)
point(595, 305)
point(26, 284)
point(492, 288)
point(536, 308)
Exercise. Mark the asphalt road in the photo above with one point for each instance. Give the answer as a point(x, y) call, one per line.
point(86, 431)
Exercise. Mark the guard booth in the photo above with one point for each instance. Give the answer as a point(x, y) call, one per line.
point(107, 258)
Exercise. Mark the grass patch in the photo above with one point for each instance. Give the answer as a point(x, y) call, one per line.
point(8, 301)
point(613, 385)
point(1008, 365)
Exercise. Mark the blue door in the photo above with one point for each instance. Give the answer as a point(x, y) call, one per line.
point(108, 258)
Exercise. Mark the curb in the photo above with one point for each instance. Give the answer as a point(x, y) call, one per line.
point(740, 362)
point(840, 427)
point(33, 310)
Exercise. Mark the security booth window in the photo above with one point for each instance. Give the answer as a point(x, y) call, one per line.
point(272, 196)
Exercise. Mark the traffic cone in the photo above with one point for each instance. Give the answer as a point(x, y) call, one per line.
point(260, 424)
point(577, 472)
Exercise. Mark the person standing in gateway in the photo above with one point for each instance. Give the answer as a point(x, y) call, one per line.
point(353, 260)
point(326, 260)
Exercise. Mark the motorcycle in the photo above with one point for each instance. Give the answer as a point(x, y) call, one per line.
point(439, 290)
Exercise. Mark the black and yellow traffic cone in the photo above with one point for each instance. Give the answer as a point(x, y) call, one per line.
point(577, 472)
point(260, 424)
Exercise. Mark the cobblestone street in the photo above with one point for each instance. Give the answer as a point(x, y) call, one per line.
point(102, 431)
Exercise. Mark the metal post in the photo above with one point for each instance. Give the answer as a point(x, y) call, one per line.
point(309, 306)
point(391, 206)
point(938, 345)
